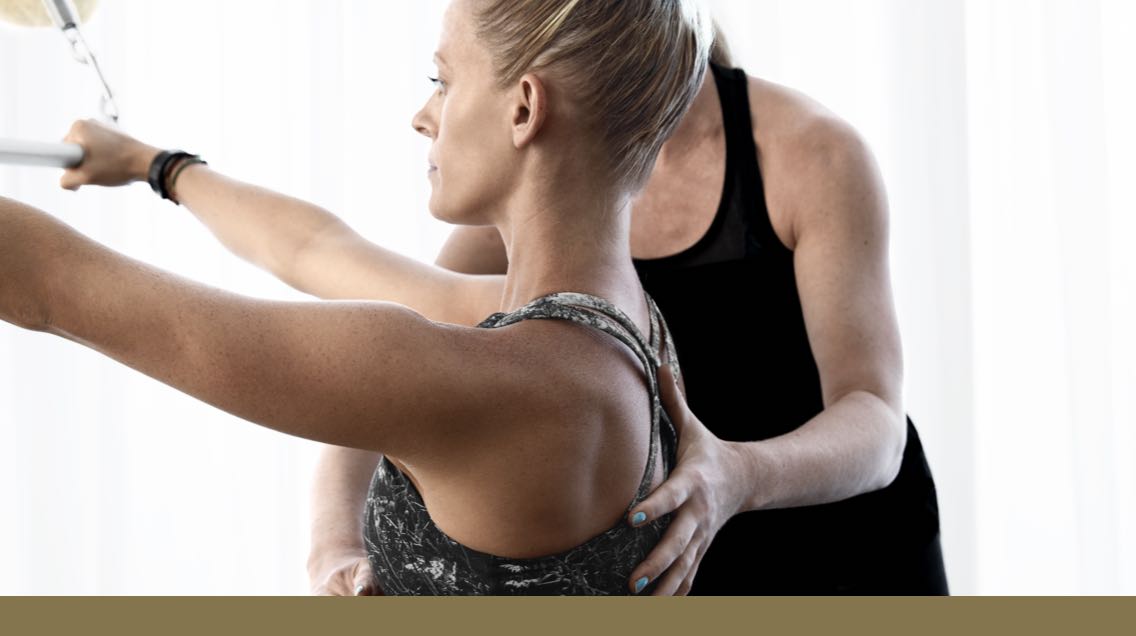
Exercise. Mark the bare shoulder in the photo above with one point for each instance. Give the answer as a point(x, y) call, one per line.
point(813, 161)
point(555, 469)
point(576, 395)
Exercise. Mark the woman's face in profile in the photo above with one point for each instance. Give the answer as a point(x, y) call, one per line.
point(468, 122)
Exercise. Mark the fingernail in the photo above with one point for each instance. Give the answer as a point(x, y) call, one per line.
point(638, 518)
point(358, 590)
point(640, 584)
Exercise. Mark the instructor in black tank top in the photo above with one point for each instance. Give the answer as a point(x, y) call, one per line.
point(763, 236)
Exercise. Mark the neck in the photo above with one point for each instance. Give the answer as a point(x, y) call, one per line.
point(561, 235)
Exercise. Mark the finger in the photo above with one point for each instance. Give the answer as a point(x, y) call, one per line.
point(77, 131)
point(71, 180)
point(673, 401)
point(675, 574)
point(364, 580)
point(674, 542)
point(688, 582)
point(666, 498)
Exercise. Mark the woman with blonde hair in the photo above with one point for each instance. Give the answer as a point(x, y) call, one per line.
point(509, 409)
point(798, 471)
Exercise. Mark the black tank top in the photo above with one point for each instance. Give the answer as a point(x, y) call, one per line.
point(731, 302)
point(410, 555)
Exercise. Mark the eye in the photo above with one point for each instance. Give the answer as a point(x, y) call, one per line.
point(437, 82)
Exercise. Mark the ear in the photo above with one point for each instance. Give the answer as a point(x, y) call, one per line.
point(529, 109)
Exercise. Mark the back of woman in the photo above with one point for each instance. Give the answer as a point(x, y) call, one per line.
point(498, 436)
point(544, 513)
point(538, 504)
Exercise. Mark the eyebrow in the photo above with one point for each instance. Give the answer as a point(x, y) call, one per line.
point(440, 60)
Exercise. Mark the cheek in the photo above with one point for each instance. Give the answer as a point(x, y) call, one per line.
point(468, 134)
point(472, 161)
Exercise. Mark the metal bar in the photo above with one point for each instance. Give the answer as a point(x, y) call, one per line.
point(36, 153)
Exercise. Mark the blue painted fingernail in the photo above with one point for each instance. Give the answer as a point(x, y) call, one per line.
point(640, 584)
point(638, 518)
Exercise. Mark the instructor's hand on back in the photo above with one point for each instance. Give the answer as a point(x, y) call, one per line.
point(110, 157)
point(342, 573)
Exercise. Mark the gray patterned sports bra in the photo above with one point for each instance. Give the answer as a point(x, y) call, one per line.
point(411, 555)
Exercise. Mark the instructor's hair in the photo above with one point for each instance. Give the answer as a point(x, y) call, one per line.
point(632, 67)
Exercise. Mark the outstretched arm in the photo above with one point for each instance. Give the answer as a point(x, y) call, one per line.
point(300, 243)
point(347, 373)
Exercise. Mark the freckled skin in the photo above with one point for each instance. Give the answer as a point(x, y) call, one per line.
point(491, 416)
point(312, 371)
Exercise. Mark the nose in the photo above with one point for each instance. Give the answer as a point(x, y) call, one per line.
point(421, 123)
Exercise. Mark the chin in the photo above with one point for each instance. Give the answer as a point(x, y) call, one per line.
point(455, 215)
point(441, 213)
point(447, 216)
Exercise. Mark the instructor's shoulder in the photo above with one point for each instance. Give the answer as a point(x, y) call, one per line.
point(809, 155)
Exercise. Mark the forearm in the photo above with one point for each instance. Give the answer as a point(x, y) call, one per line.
point(853, 446)
point(315, 252)
point(339, 491)
point(265, 228)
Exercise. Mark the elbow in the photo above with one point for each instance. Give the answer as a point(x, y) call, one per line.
point(884, 438)
point(29, 319)
point(32, 312)
point(894, 447)
point(20, 306)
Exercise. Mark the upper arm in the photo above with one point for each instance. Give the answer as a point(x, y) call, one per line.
point(368, 375)
point(839, 213)
point(340, 264)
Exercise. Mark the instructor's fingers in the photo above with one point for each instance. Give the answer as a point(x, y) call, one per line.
point(364, 580)
point(675, 575)
point(673, 401)
point(684, 588)
point(674, 542)
point(669, 392)
point(666, 498)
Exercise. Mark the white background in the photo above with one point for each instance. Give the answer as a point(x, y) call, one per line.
point(1005, 137)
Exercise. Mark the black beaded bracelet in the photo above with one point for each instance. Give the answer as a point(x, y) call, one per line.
point(171, 182)
point(158, 170)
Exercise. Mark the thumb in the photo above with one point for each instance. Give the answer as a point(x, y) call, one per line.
point(364, 580)
point(674, 402)
point(70, 180)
